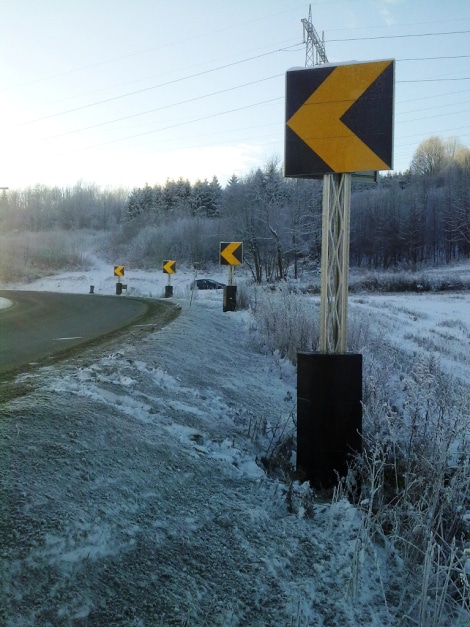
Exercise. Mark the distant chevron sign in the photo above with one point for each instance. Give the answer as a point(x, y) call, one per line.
point(118, 270)
point(169, 267)
point(339, 118)
point(231, 253)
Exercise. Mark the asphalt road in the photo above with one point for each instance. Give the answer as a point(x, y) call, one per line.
point(41, 325)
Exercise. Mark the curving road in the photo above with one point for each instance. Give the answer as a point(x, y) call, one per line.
point(39, 325)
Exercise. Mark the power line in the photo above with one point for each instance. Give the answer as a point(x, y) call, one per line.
point(437, 115)
point(143, 90)
point(191, 99)
point(455, 32)
point(434, 80)
point(153, 49)
point(459, 56)
point(286, 48)
point(140, 91)
point(457, 128)
point(165, 84)
point(446, 105)
point(166, 128)
point(169, 106)
point(448, 93)
point(236, 87)
point(213, 115)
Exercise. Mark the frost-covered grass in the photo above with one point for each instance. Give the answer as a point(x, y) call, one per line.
point(27, 256)
point(286, 323)
point(397, 554)
point(283, 322)
point(399, 280)
point(415, 468)
point(415, 473)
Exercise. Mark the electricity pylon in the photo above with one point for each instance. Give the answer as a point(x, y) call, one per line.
point(315, 52)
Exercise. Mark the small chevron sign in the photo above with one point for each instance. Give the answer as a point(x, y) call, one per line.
point(118, 270)
point(169, 267)
point(231, 253)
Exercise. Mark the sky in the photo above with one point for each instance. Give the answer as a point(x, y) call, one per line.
point(123, 93)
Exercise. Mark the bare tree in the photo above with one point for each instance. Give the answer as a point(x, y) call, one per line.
point(430, 157)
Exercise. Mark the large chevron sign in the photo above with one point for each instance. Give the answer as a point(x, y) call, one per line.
point(339, 119)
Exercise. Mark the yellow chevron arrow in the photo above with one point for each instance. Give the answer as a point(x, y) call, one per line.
point(169, 267)
point(227, 253)
point(318, 121)
point(118, 270)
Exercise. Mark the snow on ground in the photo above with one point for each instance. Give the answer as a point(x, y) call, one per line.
point(4, 303)
point(139, 282)
point(428, 323)
point(133, 492)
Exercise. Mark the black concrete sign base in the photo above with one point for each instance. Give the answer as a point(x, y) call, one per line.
point(230, 298)
point(329, 415)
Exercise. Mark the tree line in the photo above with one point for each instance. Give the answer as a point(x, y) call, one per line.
point(421, 216)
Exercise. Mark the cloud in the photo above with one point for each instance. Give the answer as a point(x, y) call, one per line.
point(385, 7)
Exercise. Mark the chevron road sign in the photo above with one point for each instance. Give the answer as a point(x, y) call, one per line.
point(169, 267)
point(231, 253)
point(339, 119)
point(118, 270)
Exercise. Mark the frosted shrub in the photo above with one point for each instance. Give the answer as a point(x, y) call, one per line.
point(284, 323)
point(244, 295)
point(406, 281)
point(415, 468)
point(415, 472)
point(25, 256)
point(146, 246)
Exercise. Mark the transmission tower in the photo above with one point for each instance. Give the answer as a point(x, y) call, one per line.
point(315, 52)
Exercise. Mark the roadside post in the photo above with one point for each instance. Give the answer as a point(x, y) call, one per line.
point(231, 255)
point(339, 122)
point(119, 272)
point(169, 268)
